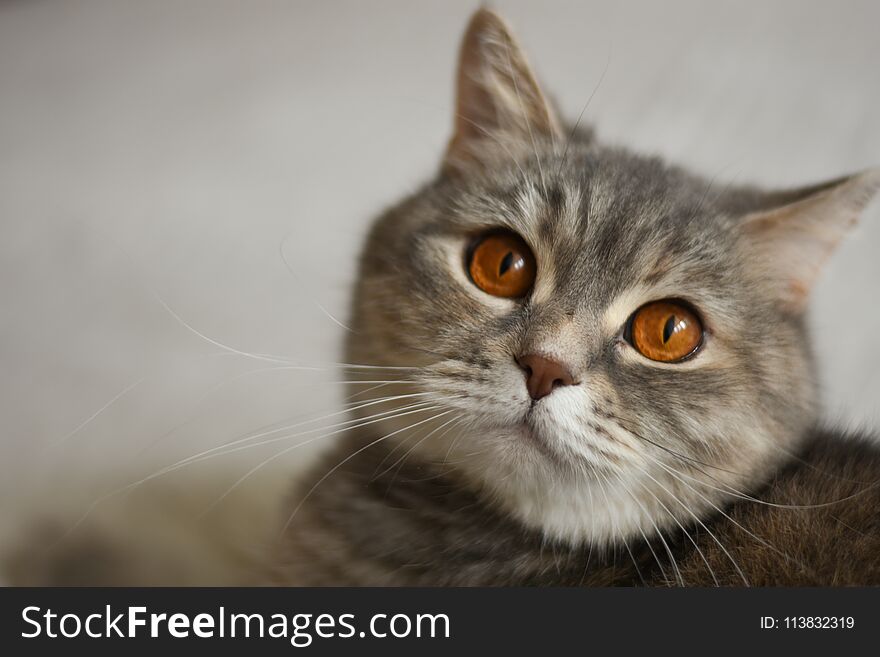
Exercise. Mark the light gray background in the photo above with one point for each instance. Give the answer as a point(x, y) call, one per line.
point(177, 148)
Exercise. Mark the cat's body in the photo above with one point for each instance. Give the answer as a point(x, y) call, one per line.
point(815, 522)
point(571, 364)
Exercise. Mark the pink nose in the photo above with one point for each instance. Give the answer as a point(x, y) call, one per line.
point(543, 375)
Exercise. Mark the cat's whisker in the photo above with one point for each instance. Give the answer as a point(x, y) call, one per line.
point(348, 458)
point(681, 526)
point(799, 507)
point(604, 480)
point(229, 381)
point(359, 395)
point(658, 533)
point(820, 471)
point(701, 524)
point(353, 398)
point(374, 381)
point(303, 288)
point(591, 542)
point(401, 444)
point(676, 473)
point(192, 460)
point(255, 355)
point(621, 423)
point(728, 489)
point(339, 428)
point(377, 367)
point(118, 396)
point(265, 462)
point(456, 425)
point(702, 202)
point(356, 407)
point(138, 382)
point(94, 416)
point(345, 425)
point(402, 459)
point(267, 429)
point(681, 477)
point(247, 354)
point(460, 423)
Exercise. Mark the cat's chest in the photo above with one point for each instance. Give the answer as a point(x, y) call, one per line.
point(414, 528)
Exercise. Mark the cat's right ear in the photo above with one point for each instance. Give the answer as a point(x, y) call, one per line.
point(500, 108)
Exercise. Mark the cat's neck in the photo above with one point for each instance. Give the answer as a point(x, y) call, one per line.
point(415, 524)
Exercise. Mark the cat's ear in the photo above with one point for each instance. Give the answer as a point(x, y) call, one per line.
point(790, 237)
point(499, 105)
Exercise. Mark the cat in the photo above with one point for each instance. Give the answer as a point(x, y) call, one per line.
point(594, 369)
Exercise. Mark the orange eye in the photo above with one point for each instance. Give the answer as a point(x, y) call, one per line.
point(502, 265)
point(665, 331)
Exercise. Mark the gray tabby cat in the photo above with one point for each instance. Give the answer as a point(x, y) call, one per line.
point(613, 369)
point(601, 373)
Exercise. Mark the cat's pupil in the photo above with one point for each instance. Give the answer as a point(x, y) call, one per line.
point(669, 328)
point(506, 263)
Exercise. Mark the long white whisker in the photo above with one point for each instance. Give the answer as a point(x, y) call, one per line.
point(262, 434)
point(94, 415)
point(414, 447)
point(186, 462)
point(304, 287)
point(617, 527)
point(269, 460)
point(659, 533)
point(130, 387)
point(345, 425)
point(689, 537)
point(351, 456)
point(703, 525)
point(267, 357)
point(222, 384)
point(681, 476)
point(760, 540)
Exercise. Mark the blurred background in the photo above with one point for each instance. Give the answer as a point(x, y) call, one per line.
point(159, 162)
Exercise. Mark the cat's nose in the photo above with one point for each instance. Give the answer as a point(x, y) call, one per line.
point(543, 375)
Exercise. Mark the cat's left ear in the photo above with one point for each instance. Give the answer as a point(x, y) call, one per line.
point(790, 237)
point(500, 108)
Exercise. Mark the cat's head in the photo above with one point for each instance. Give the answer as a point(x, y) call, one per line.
point(604, 344)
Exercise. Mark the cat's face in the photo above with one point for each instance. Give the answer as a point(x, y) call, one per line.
point(665, 313)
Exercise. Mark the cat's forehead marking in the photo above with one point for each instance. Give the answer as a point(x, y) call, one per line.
point(555, 234)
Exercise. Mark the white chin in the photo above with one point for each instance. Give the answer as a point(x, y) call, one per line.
point(579, 510)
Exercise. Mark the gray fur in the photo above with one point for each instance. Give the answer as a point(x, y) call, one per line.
point(641, 450)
